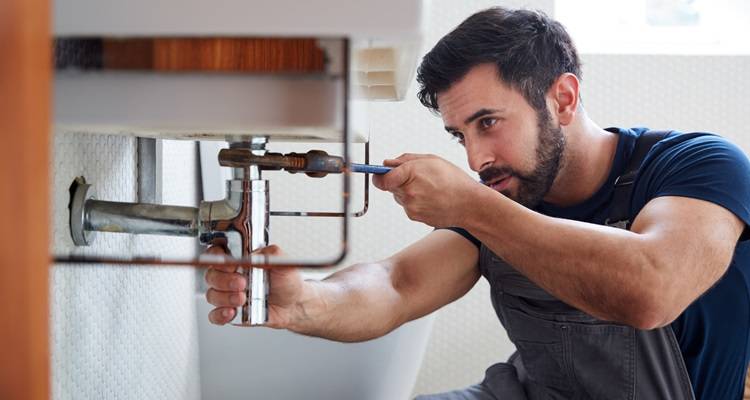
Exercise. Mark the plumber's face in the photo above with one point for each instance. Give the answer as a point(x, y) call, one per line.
point(515, 149)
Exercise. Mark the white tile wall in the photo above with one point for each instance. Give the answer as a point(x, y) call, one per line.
point(688, 93)
point(121, 332)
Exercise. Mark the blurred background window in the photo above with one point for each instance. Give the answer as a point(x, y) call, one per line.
point(657, 26)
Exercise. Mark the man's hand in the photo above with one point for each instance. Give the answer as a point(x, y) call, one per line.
point(431, 189)
point(227, 291)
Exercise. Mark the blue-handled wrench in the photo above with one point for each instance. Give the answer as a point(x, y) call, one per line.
point(369, 169)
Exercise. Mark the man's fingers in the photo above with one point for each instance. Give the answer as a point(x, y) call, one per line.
point(412, 156)
point(219, 252)
point(227, 286)
point(270, 250)
point(221, 315)
point(225, 299)
point(377, 180)
point(225, 281)
point(395, 162)
point(390, 162)
point(393, 179)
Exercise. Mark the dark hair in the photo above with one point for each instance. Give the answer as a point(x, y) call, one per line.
point(529, 49)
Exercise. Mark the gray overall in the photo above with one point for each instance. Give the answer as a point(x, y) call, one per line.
point(563, 353)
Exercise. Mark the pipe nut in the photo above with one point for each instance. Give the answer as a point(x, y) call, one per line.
point(81, 193)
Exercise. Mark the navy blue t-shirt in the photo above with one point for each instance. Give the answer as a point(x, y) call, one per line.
point(714, 331)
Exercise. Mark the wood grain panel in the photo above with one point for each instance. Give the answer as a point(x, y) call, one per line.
point(253, 55)
point(25, 71)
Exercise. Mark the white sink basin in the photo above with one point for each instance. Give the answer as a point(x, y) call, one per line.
point(263, 363)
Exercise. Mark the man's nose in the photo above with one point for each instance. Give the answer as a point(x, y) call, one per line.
point(479, 156)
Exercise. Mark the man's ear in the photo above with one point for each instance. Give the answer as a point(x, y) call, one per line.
point(564, 94)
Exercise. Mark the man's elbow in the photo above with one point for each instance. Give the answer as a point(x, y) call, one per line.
point(647, 322)
point(655, 301)
point(650, 312)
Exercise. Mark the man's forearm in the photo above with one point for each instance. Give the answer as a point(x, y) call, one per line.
point(355, 304)
point(603, 271)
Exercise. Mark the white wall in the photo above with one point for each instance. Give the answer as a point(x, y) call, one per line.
point(121, 332)
point(688, 93)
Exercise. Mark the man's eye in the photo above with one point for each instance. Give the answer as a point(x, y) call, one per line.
point(487, 122)
point(458, 137)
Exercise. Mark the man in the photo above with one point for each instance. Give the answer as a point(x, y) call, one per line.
point(596, 312)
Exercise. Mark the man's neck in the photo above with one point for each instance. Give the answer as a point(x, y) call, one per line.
point(587, 161)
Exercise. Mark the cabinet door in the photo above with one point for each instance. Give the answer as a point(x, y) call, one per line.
point(25, 72)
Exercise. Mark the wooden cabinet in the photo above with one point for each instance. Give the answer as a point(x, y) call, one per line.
point(25, 71)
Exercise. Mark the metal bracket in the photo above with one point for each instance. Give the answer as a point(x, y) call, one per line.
point(177, 218)
point(80, 193)
point(149, 170)
point(363, 211)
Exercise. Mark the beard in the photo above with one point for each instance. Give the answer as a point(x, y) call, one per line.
point(533, 186)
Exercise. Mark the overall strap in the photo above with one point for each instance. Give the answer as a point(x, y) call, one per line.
point(619, 214)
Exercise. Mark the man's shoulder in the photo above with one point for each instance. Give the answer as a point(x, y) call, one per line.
point(698, 165)
point(698, 149)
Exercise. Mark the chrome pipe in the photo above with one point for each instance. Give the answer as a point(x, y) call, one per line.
point(249, 193)
point(243, 218)
point(258, 283)
point(138, 218)
point(240, 221)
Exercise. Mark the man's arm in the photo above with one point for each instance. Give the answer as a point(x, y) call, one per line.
point(677, 248)
point(366, 301)
point(363, 301)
